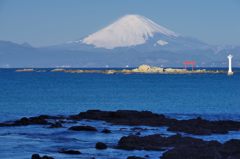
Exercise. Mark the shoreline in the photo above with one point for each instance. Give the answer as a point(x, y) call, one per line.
point(180, 143)
point(136, 118)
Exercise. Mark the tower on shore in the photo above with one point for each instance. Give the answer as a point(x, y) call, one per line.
point(230, 72)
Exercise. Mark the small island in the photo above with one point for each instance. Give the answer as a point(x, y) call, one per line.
point(145, 69)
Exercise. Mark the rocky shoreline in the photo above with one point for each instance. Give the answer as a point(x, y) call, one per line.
point(144, 69)
point(177, 146)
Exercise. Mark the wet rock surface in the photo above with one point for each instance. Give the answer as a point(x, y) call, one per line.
point(82, 128)
point(37, 156)
point(197, 126)
point(200, 126)
point(123, 117)
point(195, 152)
point(134, 125)
point(38, 120)
point(106, 131)
point(155, 142)
point(101, 146)
point(178, 147)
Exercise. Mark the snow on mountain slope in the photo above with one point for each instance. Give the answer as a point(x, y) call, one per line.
point(130, 30)
point(162, 42)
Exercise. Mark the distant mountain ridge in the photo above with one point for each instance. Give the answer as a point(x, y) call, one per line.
point(130, 41)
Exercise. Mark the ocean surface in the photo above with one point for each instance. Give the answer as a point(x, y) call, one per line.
point(34, 93)
point(212, 96)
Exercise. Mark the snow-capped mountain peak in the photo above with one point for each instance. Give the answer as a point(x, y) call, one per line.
point(130, 30)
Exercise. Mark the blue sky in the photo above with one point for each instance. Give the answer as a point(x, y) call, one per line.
point(47, 22)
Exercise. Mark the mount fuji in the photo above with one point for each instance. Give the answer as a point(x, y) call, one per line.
point(129, 41)
point(133, 31)
point(130, 30)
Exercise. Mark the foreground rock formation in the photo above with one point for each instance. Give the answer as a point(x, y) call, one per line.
point(82, 128)
point(158, 142)
point(178, 146)
point(37, 156)
point(101, 146)
point(197, 126)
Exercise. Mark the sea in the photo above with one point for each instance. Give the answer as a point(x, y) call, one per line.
point(182, 96)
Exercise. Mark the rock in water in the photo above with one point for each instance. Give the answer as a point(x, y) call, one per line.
point(101, 146)
point(157, 142)
point(47, 157)
point(231, 148)
point(37, 156)
point(192, 152)
point(106, 131)
point(83, 128)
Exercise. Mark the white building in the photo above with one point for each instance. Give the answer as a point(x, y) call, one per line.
point(230, 72)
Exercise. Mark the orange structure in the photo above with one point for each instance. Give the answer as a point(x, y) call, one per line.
point(192, 63)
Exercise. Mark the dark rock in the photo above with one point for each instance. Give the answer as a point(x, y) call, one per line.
point(37, 156)
point(101, 146)
point(234, 156)
point(47, 157)
point(123, 117)
point(83, 128)
point(27, 121)
point(71, 152)
point(38, 120)
point(133, 142)
point(192, 152)
point(106, 131)
point(179, 147)
point(200, 126)
point(196, 126)
point(23, 121)
point(157, 142)
point(231, 148)
point(135, 157)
